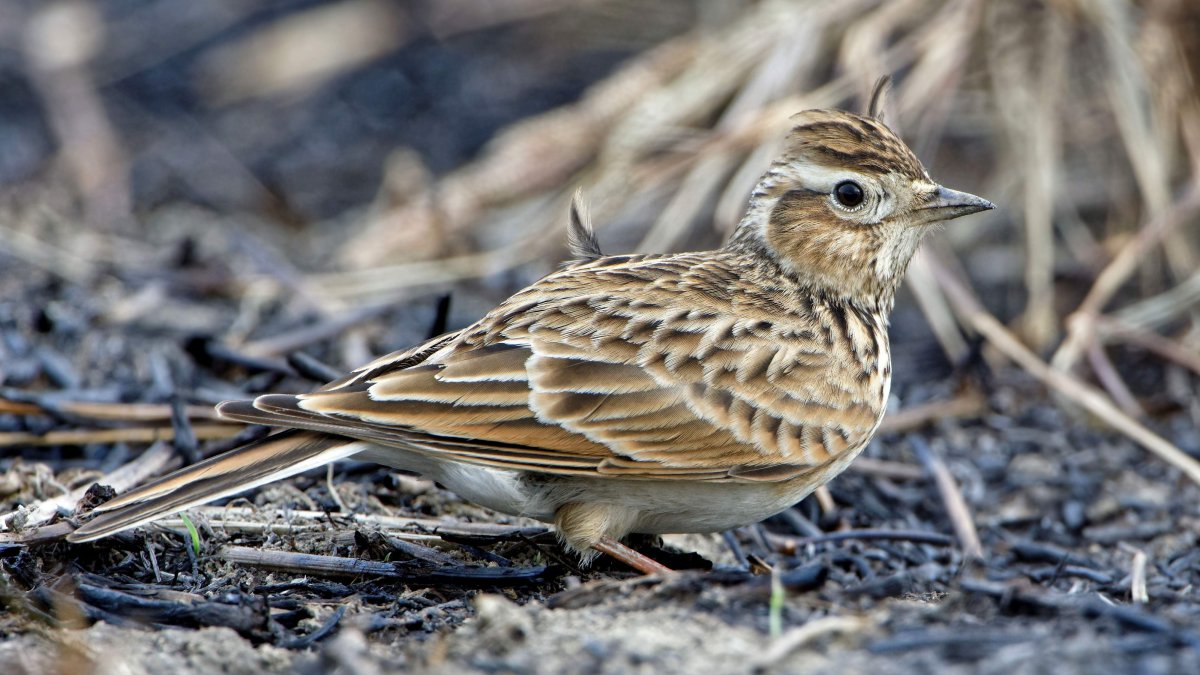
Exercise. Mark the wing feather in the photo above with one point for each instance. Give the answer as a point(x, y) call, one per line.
point(624, 367)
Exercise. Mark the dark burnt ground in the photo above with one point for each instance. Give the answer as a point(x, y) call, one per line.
point(393, 572)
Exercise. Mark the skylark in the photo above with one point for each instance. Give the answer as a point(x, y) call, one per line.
point(690, 392)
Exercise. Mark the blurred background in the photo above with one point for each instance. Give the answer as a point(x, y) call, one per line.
point(276, 176)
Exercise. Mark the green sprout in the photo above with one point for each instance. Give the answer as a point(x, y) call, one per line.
point(192, 532)
point(775, 616)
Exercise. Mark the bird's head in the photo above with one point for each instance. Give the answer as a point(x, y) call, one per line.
point(845, 206)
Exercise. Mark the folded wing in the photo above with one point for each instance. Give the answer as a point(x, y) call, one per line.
point(626, 366)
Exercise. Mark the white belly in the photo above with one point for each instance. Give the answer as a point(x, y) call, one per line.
point(657, 507)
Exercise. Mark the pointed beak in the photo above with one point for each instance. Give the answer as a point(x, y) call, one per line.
point(946, 204)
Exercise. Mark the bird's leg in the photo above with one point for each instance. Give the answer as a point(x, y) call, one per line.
point(594, 527)
point(642, 563)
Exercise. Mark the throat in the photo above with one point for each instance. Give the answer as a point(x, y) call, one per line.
point(855, 289)
point(821, 264)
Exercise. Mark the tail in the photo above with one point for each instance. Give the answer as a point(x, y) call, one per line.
point(272, 458)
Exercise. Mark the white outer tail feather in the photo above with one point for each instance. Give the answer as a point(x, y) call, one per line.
point(109, 520)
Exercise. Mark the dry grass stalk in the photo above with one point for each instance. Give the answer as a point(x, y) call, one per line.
point(634, 114)
point(527, 158)
point(147, 434)
point(883, 468)
point(1159, 310)
point(796, 638)
point(61, 39)
point(28, 247)
point(294, 54)
point(979, 319)
point(1113, 330)
point(1111, 380)
point(306, 563)
point(1028, 47)
point(825, 500)
point(966, 405)
point(108, 412)
point(1041, 170)
point(1080, 329)
point(937, 311)
point(952, 498)
point(673, 103)
point(1144, 139)
point(289, 528)
point(393, 282)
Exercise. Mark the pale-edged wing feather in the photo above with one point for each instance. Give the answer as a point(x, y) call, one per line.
point(670, 367)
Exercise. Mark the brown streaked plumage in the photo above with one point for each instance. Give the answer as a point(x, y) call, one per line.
point(647, 393)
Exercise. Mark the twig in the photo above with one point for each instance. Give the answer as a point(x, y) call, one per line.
point(797, 637)
point(16, 402)
point(327, 565)
point(1111, 380)
point(153, 562)
point(214, 350)
point(318, 634)
point(828, 506)
point(294, 340)
point(333, 491)
point(29, 536)
point(735, 548)
point(956, 506)
point(154, 609)
point(886, 468)
point(597, 591)
point(204, 432)
point(1089, 398)
point(313, 369)
point(217, 515)
point(290, 528)
point(789, 545)
point(419, 552)
point(184, 435)
point(800, 523)
point(1060, 604)
point(968, 404)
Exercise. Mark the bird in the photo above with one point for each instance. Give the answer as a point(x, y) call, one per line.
point(645, 393)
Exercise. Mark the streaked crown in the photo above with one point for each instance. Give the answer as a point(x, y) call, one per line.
point(845, 206)
point(839, 138)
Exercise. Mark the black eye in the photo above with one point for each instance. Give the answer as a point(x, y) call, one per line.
point(848, 193)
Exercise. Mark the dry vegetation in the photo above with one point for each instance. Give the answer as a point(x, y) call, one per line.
point(182, 216)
